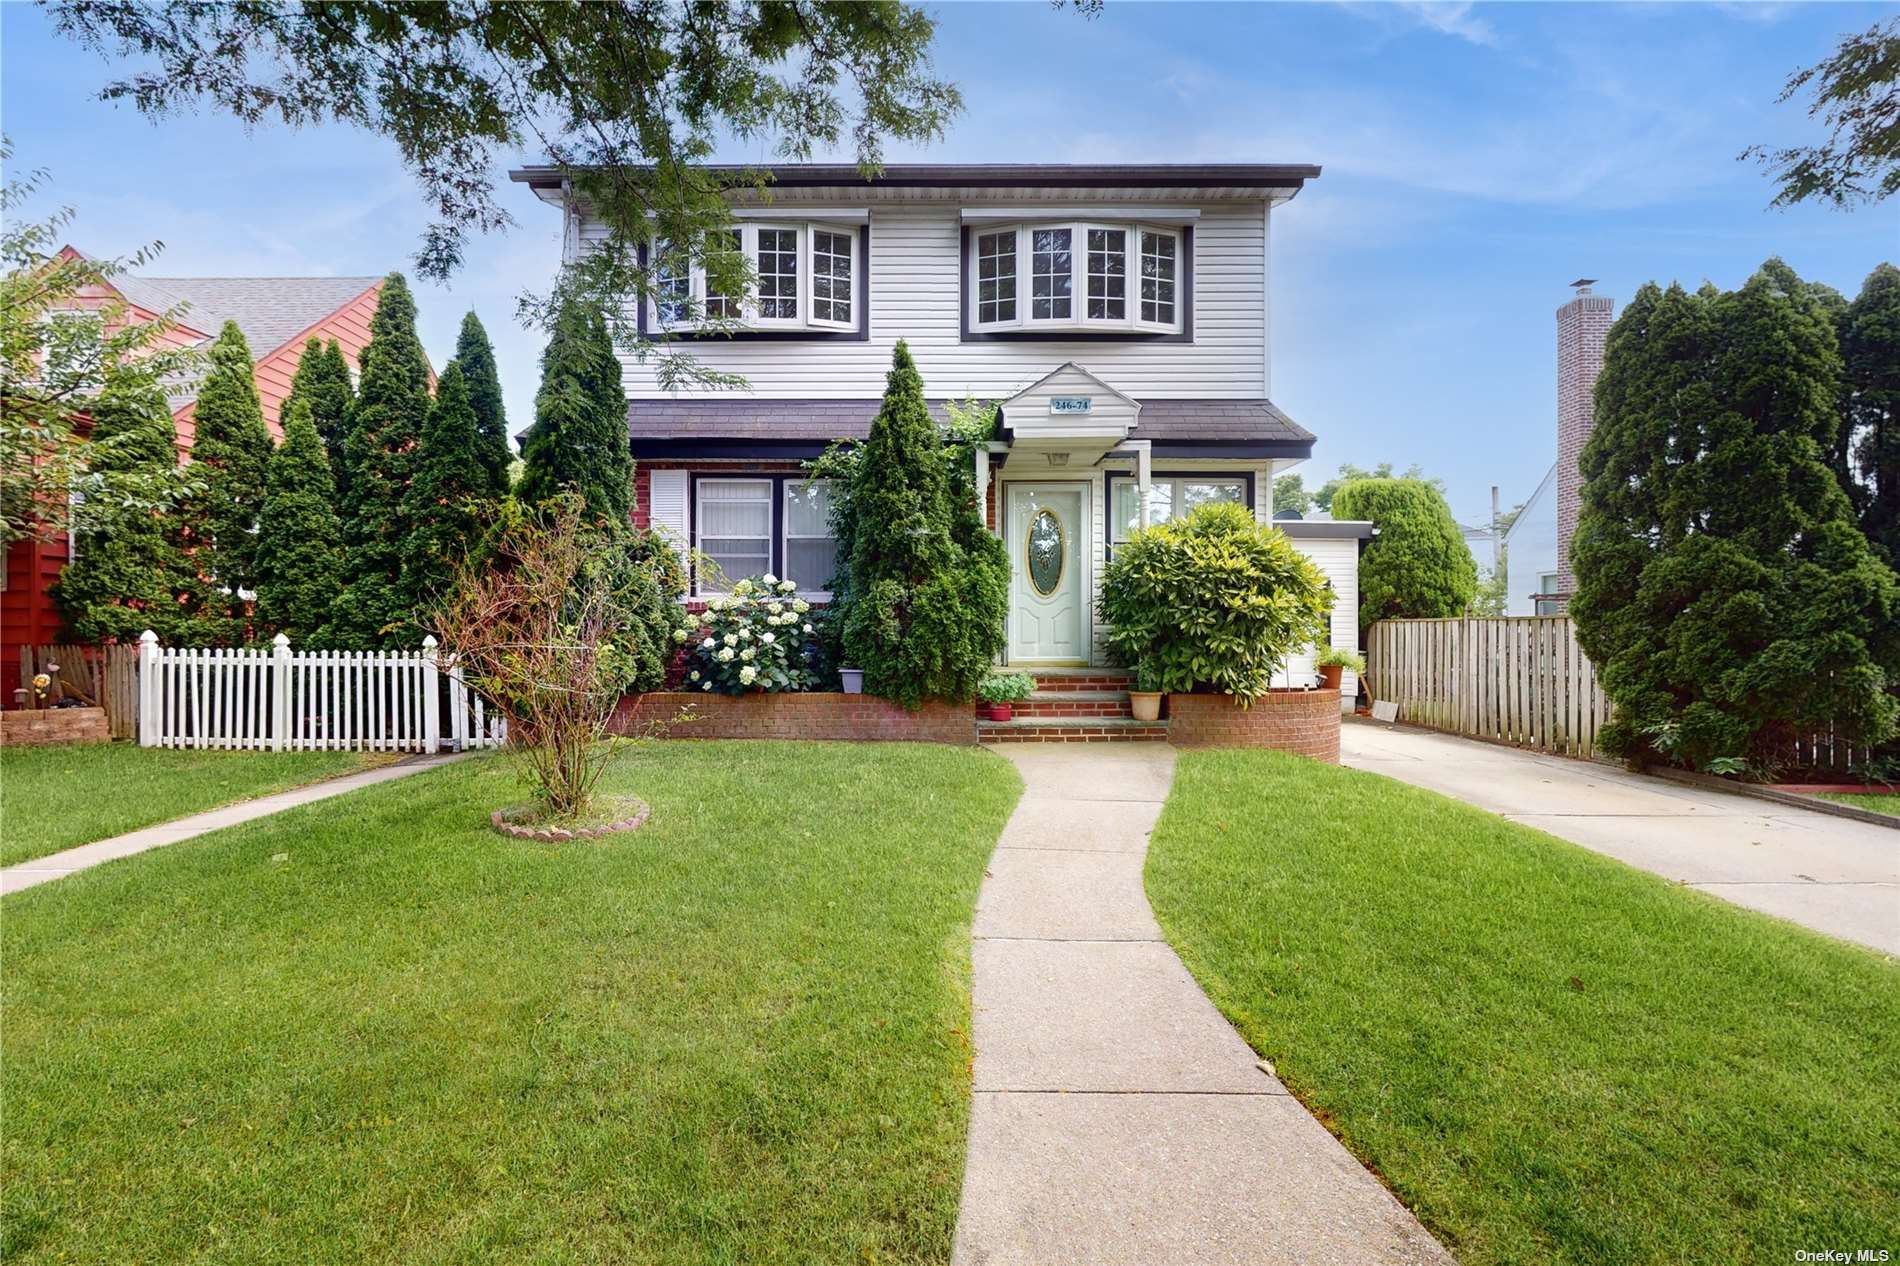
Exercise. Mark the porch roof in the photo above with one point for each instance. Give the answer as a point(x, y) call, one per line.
point(755, 426)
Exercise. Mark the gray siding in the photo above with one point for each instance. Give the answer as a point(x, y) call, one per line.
point(915, 264)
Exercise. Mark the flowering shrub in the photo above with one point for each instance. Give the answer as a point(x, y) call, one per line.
point(758, 637)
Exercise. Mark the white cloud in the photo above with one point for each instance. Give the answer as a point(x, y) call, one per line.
point(1446, 17)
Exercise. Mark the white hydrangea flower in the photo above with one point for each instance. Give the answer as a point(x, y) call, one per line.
point(775, 607)
point(808, 628)
point(707, 686)
point(748, 675)
point(800, 605)
point(708, 643)
point(725, 655)
point(748, 654)
point(745, 586)
point(768, 638)
point(769, 578)
point(745, 633)
point(731, 639)
point(786, 586)
point(695, 676)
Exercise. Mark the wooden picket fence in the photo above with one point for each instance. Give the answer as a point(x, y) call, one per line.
point(1512, 679)
point(104, 676)
point(292, 701)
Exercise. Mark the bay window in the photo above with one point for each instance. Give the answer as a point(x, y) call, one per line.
point(1078, 278)
point(1170, 497)
point(806, 277)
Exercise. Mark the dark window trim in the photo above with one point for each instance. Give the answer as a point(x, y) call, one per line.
point(778, 480)
point(1115, 476)
point(860, 335)
point(1083, 336)
point(1247, 450)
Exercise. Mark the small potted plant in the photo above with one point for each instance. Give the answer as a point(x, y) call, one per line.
point(1334, 663)
point(1002, 691)
point(1145, 699)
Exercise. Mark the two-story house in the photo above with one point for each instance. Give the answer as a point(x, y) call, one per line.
point(1120, 315)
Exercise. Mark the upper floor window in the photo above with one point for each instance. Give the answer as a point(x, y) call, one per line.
point(1077, 278)
point(805, 277)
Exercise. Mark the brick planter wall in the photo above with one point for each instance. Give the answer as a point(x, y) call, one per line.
point(42, 727)
point(1304, 722)
point(825, 716)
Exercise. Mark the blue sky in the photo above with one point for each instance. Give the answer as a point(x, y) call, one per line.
point(1478, 157)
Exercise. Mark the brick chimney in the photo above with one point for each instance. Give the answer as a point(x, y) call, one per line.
point(1583, 325)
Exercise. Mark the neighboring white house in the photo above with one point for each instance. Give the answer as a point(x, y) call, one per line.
point(1530, 548)
point(1119, 314)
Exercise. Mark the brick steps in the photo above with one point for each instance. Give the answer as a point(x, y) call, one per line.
point(1069, 703)
point(1072, 730)
point(1089, 680)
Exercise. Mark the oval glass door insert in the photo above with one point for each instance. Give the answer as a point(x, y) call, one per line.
point(1045, 550)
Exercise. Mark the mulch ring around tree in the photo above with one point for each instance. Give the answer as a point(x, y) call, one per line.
point(609, 815)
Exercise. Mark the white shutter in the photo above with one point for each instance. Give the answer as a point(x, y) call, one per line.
point(666, 505)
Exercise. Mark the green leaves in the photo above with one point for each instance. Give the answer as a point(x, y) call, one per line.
point(1418, 566)
point(1216, 600)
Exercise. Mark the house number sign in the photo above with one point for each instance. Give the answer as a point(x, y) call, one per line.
point(1071, 404)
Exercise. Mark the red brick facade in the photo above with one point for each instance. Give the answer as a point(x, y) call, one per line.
point(1583, 325)
point(43, 727)
point(822, 716)
point(1304, 722)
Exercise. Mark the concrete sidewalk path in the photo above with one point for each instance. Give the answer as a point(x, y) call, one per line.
point(1831, 874)
point(27, 874)
point(1117, 1118)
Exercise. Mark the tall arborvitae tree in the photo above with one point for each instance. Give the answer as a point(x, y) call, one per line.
point(323, 379)
point(232, 444)
point(131, 571)
point(1724, 592)
point(1418, 566)
point(1869, 330)
point(392, 404)
point(477, 358)
point(925, 594)
point(451, 499)
point(299, 537)
point(579, 438)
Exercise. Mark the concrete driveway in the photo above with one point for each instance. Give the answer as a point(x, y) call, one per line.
point(1831, 874)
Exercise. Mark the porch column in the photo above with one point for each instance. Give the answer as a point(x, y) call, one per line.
point(983, 484)
point(1144, 473)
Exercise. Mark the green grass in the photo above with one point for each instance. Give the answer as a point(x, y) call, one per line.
point(1550, 1057)
point(1879, 803)
point(58, 797)
point(374, 1030)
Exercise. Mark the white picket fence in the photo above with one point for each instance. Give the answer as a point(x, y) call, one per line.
point(1513, 679)
point(282, 700)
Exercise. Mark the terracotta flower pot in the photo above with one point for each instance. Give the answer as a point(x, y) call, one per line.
point(1329, 675)
point(1001, 711)
point(1145, 704)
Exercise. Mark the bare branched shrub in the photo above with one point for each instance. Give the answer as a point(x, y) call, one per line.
point(539, 625)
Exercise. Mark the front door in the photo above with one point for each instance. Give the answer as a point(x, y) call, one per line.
point(1048, 538)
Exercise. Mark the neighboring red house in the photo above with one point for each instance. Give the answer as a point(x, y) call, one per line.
point(277, 314)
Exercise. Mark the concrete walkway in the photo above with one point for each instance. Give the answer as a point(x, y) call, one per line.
point(27, 874)
point(1117, 1117)
point(1831, 874)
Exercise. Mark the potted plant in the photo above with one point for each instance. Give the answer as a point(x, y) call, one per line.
point(852, 680)
point(1002, 691)
point(1334, 663)
point(1145, 699)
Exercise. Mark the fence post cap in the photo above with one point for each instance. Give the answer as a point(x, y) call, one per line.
point(280, 641)
point(148, 637)
point(429, 643)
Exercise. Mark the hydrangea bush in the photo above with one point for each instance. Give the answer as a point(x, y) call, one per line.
point(758, 637)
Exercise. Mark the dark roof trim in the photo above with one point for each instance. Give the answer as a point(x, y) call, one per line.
point(1326, 529)
point(1232, 448)
point(714, 449)
point(1001, 175)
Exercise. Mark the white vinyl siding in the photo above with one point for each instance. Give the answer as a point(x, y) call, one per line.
point(1339, 559)
point(915, 288)
point(733, 530)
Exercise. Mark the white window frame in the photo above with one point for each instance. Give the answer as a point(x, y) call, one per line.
point(785, 536)
point(699, 535)
point(748, 317)
point(1079, 321)
point(1014, 321)
point(655, 312)
point(849, 235)
point(1118, 533)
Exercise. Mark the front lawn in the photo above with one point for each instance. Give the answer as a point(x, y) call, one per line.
point(1879, 802)
point(1551, 1057)
point(373, 1030)
point(59, 797)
